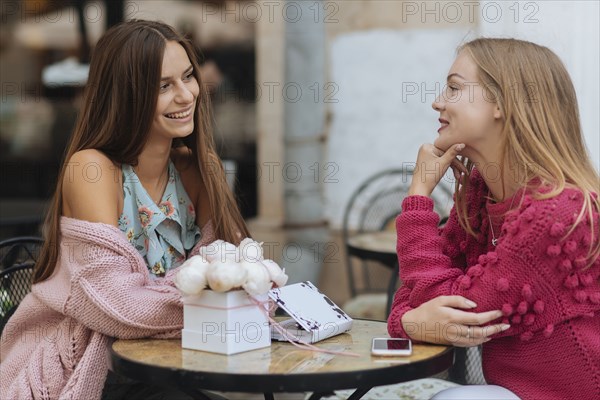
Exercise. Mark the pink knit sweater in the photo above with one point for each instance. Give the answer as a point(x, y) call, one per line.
point(55, 345)
point(536, 276)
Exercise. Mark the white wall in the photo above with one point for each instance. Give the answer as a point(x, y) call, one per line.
point(387, 81)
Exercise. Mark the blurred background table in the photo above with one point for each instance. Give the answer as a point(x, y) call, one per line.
point(378, 246)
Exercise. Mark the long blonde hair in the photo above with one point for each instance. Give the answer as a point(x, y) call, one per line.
point(119, 104)
point(542, 132)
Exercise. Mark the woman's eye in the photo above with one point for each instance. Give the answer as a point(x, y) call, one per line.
point(164, 86)
point(189, 76)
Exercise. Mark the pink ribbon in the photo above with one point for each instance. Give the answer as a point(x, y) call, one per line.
point(293, 339)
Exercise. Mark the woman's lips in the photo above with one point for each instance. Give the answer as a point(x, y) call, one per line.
point(181, 116)
point(444, 124)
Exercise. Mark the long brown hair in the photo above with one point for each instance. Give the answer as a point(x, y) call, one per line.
point(119, 104)
point(542, 132)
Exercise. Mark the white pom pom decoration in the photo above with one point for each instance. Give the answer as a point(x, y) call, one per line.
point(223, 277)
point(277, 274)
point(258, 280)
point(221, 266)
point(250, 250)
point(191, 278)
point(220, 251)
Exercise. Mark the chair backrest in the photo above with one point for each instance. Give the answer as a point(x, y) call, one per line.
point(373, 207)
point(19, 250)
point(17, 259)
point(15, 283)
point(467, 368)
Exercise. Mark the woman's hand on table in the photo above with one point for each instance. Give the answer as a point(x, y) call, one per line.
point(443, 321)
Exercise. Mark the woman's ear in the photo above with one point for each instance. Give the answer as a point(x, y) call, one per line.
point(498, 112)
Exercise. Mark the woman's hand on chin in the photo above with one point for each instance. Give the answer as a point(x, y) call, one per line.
point(432, 164)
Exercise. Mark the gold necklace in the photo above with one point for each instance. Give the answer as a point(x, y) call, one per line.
point(494, 239)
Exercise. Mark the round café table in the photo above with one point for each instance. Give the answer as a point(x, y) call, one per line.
point(282, 367)
point(379, 246)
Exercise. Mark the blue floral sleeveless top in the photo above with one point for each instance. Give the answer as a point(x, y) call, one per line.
point(162, 233)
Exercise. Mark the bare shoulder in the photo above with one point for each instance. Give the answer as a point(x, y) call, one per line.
point(92, 188)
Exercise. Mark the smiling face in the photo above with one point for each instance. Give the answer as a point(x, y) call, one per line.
point(179, 89)
point(468, 113)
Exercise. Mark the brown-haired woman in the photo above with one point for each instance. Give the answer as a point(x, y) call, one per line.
point(517, 267)
point(141, 190)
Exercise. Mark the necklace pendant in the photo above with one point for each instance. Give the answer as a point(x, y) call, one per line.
point(494, 241)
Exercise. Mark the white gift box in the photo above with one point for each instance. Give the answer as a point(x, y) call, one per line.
point(225, 323)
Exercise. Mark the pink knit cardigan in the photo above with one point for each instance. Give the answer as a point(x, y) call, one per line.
point(55, 345)
point(538, 278)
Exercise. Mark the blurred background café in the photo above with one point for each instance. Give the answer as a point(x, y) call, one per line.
point(316, 104)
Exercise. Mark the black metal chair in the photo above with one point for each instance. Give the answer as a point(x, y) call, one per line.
point(17, 259)
point(19, 250)
point(467, 366)
point(373, 207)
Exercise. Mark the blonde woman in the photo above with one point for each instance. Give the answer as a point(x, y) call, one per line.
point(141, 190)
point(517, 266)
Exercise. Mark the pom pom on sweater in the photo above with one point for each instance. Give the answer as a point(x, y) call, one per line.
point(557, 230)
point(526, 292)
point(565, 265)
point(570, 247)
point(553, 250)
point(539, 306)
point(536, 276)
